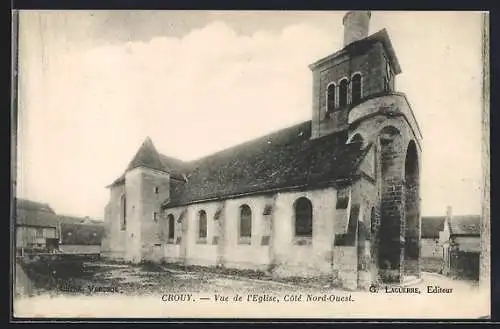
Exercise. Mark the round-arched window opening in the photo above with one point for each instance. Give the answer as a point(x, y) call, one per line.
point(357, 138)
point(303, 217)
point(356, 88)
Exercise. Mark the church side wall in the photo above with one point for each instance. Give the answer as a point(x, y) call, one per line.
point(237, 254)
point(200, 251)
point(113, 241)
point(314, 258)
point(284, 255)
point(174, 249)
point(281, 253)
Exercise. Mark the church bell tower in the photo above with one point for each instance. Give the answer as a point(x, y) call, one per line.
point(364, 67)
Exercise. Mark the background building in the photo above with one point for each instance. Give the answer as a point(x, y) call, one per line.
point(36, 226)
point(40, 229)
point(432, 247)
point(461, 240)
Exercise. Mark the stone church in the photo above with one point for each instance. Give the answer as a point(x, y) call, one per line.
point(336, 196)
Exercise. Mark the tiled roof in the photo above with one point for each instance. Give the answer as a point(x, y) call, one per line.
point(35, 218)
point(32, 213)
point(32, 205)
point(431, 226)
point(361, 45)
point(284, 159)
point(177, 168)
point(148, 157)
point(465, 225)
point(459, 225)
point(29, 213)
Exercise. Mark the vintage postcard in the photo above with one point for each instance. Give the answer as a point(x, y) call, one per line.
point(252, 164)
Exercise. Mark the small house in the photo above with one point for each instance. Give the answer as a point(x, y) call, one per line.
point(36, 227)
point(431, 251)
point(461, 240)
point(80, 235)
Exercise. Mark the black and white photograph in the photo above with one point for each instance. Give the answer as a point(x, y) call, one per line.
point(251, 164)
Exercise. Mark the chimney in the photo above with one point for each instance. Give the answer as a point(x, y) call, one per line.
point(448, 212)
point(356, 26)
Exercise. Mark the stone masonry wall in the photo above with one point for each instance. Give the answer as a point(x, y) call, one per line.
point(371, 65)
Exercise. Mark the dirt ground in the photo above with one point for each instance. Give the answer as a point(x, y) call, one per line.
point(76, 287)
point(77, 276)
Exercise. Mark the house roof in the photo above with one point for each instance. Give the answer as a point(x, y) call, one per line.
point(431, 226)
point(35, 214)
point(81, 234)
point(458, 225)
point(283, 159)
point(31, 213)
point(465, 225)
point(33, 205)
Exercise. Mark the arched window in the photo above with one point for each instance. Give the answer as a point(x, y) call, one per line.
point(357, 139)
point(202, 225)
point(123, 213)
point(171, 226)
point(245, 221)
point(303, 218)
point(343, 88)
point(330, 97)
point(356, 88)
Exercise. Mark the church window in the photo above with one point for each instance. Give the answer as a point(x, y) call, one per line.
point(330, 97)
point(202, 226)
point(171, 226)
point(245, 227)
point(123, 213)
point(343, 89)
point(303, 218)
point(356, 88)
point(157, 190)
point(155, 216)
point(357, 139)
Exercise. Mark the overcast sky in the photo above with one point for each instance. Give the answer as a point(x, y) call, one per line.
point(94, 84)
